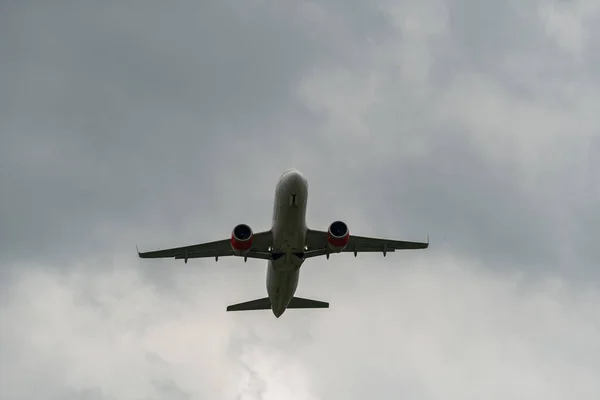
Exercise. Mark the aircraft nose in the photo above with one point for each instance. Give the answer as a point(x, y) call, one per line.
point(295, 178)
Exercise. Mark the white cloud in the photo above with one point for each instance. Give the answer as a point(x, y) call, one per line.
point(97, 330)
point(569, 23)
point(428, 329)
point(451, 330)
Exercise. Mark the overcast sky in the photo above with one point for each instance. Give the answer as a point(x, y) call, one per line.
point(160, 124)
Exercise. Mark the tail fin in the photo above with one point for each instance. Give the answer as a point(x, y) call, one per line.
point(265, 304)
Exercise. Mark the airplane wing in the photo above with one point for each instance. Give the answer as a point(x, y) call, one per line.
point(316, 242)
point(261, 243)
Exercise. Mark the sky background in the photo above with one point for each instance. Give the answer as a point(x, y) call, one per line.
point(160, 124)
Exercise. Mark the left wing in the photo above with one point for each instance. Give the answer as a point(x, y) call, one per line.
point(316, 242)
point(261, 241)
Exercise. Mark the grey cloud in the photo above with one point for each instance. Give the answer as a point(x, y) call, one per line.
point(480, 30)
point(86, 394)
point(466, 152)
point(170, 390)
point(162, 125)
point(442, 328)
point(254, 388)
point(130, 129)
point(106, 111)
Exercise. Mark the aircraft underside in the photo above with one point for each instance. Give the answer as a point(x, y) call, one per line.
point(285, 247)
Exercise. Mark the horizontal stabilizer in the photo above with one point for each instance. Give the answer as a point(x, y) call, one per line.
point(298, 302)
point(265, 304)
point(258, 304)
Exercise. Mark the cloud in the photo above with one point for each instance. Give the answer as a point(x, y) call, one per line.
point(453, 331)
point(102, 109)
point(442, 328)
point(102, 331)
point(487, 145)
point(489, 157)
point(473, 121)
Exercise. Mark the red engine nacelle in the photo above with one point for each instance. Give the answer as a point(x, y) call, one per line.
point(241, 239)
point(338, 236)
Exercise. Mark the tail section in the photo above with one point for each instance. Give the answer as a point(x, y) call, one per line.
point(265, 304)
point(298, 302)
point(258, 304)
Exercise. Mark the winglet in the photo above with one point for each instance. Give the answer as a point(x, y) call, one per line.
point(136, 249)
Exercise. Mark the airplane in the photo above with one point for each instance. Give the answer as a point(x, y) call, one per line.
point(285, 246)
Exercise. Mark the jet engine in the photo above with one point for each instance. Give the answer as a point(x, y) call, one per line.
point(338, 236)
point(241, 239)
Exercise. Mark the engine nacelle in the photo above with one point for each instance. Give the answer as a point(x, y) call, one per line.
point(338, 236)
point(241, 239)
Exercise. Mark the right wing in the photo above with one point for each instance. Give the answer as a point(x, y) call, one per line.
point(261, 241)
point(317, 244)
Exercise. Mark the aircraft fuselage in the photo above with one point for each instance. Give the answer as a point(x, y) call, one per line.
point(289, 237)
